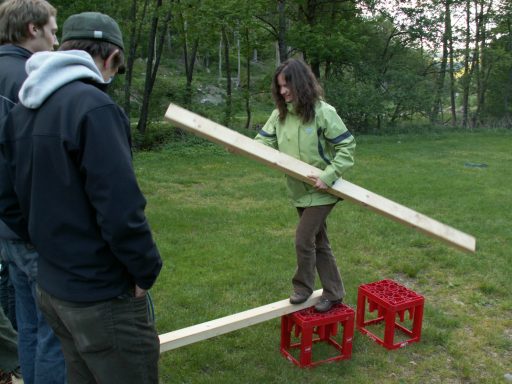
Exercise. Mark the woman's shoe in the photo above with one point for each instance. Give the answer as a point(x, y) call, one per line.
point(298, 298)
point(325, 304)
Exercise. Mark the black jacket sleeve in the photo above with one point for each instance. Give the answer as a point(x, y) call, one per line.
point(106, 164)
point(10, 211)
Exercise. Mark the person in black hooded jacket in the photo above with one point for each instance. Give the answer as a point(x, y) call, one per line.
point(26, 26)
point(68, 150)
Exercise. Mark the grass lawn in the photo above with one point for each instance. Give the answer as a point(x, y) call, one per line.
point(225, 230)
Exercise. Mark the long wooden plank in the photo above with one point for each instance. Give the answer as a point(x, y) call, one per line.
point(246, 146)
point(203, 331)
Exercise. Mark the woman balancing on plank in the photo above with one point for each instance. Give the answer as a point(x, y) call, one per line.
point(307, 128)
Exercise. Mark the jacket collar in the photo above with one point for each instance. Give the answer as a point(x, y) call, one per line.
point(14, 50)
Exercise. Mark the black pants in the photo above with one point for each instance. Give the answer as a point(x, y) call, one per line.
point(109, 342)
point(314, 254)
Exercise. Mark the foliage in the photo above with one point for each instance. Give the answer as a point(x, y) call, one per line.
point(499, 95)
point(157, 137)
point(380, 62)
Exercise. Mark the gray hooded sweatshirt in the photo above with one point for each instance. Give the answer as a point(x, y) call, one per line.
point(49, 71)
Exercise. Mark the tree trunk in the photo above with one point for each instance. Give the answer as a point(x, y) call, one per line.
point(281, 32)
point(309, 11)
point(248, 122)
point(160, 47)
point(278, 59)
point(477, 65)
point(188, 91)
point(467, 73)
point(239, 62)
point(190, 71)
point(152, 67)
point(507, 104)
point(189, 59)
point(485, 65)
point(227, 116)
point(220, 59)
point(437, 108)
point(131, 57)
point(132, 50)
point(452, 69)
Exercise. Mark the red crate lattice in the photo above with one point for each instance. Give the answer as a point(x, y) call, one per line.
point(390, 299)
point(313, 327)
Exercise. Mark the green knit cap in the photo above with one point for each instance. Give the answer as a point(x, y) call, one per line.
point(92, 26)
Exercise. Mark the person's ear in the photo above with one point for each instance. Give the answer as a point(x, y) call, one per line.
point(32, 30)
point(109, 61)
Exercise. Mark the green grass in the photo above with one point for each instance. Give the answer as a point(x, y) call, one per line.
point(225, 229)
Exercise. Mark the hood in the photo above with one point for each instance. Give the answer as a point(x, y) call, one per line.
point(49, 71)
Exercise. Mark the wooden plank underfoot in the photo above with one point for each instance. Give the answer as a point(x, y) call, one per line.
point(246, 146)
point(203, 331)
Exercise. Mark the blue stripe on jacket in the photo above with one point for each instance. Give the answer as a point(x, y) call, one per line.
point(266, 134)
point(340, 138)
point(336, 140)
point(320, 148)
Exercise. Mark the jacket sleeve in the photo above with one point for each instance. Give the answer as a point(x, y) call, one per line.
point(112, 189)
point(267, 135)
point(10, 211)
point(340, 138)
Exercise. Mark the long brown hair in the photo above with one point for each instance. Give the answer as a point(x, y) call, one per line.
point(303, 84)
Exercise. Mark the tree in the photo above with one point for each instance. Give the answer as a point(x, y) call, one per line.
point(281, 30)
point(498, 64)
point(437, 108)
point(381, 62)
point(134, 39)
point(187, 27)
point(155, 48)
point(468, 67)
point(323, 31)
point(276, 25)
point(227, 65)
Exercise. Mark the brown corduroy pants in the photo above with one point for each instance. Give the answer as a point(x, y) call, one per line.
point(314, 254)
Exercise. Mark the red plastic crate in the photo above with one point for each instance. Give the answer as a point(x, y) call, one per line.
point(308, 323)
point(391, 300)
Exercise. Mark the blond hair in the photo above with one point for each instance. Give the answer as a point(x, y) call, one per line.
point(16, 15)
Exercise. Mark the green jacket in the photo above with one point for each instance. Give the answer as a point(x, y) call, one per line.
point(324, 143)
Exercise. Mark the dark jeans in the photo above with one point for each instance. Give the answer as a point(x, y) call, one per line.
point(8, 345)
point(40, 354)
point(314, 254)
point(7, 293)
point(112, 341)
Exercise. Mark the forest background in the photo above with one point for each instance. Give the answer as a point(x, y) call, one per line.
point(384, 65)
point(390, 68)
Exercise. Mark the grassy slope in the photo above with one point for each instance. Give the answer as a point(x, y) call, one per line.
point(225, 229)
